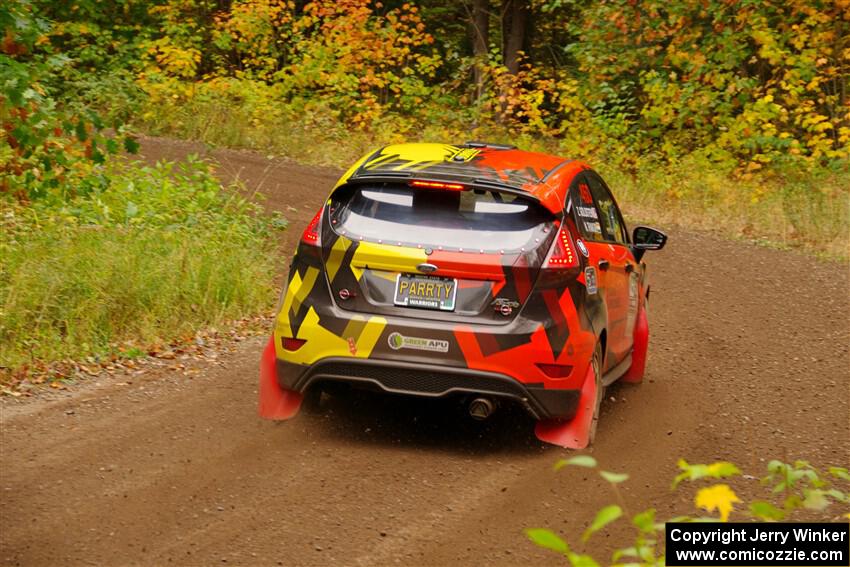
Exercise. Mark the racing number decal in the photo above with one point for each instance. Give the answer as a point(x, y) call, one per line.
point(590, 279)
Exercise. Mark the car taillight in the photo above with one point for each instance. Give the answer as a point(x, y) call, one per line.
point(312, 232)
point(563, 255)
point(438, 185)
point(291, 344)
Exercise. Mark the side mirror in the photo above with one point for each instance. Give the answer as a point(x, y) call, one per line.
point(645, 238)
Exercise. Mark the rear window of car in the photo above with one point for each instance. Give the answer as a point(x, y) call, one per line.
point(440, 219)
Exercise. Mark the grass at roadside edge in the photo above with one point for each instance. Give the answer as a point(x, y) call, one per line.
point(160, 253)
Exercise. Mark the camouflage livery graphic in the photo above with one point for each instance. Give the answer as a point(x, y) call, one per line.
point(522, 323)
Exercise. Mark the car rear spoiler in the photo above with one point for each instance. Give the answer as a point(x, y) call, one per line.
point(472, 182)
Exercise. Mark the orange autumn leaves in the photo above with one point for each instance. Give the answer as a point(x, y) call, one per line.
point(353, 55)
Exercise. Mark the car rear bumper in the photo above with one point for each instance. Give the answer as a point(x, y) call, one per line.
point(429, 381)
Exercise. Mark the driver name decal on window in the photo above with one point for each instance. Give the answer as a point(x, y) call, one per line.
point(588, 212)
point(592, 227)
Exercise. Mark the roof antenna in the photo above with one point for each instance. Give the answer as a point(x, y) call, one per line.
point(492, 146)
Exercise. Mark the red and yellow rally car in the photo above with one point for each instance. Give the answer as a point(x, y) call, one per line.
point(480, 271)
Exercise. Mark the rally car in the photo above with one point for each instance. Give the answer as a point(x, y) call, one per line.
point(478, 271)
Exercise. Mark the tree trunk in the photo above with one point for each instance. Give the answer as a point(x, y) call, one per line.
point(514, 21)
point(480, 32)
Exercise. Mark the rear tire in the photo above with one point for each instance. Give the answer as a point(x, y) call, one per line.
point(578, 432)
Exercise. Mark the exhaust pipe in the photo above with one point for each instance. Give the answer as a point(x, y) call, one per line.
point(481, 408)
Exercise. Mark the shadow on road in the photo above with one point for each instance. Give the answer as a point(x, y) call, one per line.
point(377, 418)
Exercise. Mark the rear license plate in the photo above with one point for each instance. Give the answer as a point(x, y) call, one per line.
point(425, 292)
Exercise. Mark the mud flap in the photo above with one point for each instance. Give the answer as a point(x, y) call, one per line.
point(275, 402)
point(575, 433)
point(634, 375)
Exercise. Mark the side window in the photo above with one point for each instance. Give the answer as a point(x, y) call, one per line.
point(609, 215)
point(586, 215)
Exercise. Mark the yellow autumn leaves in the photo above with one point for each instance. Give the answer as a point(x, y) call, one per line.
point(720, 498)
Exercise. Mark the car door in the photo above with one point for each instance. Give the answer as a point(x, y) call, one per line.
point(604, 233)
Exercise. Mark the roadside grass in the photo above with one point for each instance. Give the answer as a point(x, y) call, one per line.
point(157, 254)
point(810, 212)
point(801, 209)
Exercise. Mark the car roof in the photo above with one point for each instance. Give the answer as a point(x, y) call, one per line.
point(541, 176)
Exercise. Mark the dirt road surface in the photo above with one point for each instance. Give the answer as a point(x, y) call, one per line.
point(748, 361)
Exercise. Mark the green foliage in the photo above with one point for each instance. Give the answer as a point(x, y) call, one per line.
point(548, 540)
point(751, 87)
point(755, 82)
point(152, 254)
point(603, 517)
point(95, 252)
point(720, 469)
point(614, 478)
point(802, 487)
point(46, 147)
point(578, 461)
